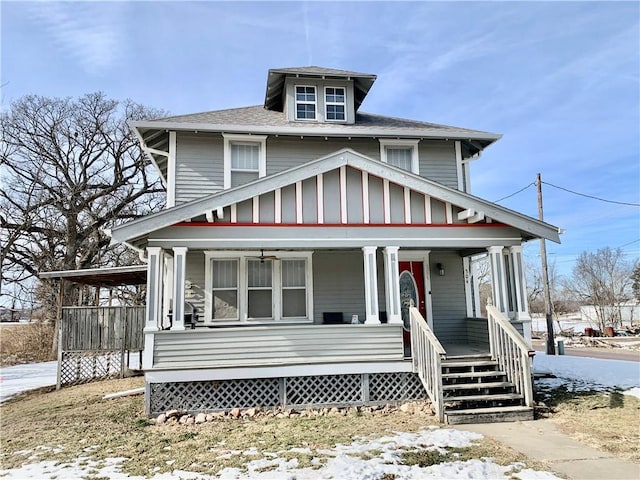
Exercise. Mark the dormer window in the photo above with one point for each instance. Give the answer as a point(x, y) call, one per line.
point(334, 101)
point(305, 103)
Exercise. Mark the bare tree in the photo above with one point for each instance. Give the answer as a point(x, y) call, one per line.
point(603, 280)
point(71, 169)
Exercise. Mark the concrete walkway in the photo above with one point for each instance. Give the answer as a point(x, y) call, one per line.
point(540, 440)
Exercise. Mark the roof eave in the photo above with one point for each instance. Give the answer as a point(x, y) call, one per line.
point(334, 131)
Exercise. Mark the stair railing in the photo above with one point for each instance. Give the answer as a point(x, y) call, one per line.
point(511, 352)
point(427, 354)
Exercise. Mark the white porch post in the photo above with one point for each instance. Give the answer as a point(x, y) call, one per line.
point(370, 285)
point(154, 289)
point(179, 274)
point(154, 303)
point(468, 286)
point(520, 286)
point(392, 284)
point(498, 279)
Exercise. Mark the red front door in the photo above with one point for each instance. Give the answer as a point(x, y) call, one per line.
point(412, 288)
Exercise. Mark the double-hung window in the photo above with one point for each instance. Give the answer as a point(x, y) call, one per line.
point(245, 159)
point(400, 153)
point(305, 103)
point(294, 287)
point(224, 289)
point(240, 287)
point(334, 103)
point(259, 288)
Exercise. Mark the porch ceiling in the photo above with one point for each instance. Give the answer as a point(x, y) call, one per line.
point(102, 277)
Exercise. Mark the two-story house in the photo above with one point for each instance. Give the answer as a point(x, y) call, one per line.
point(326, 252)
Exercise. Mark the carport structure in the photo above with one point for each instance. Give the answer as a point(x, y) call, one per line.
point(95, 342)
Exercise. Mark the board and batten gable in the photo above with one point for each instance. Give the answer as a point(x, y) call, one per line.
point(199, 169)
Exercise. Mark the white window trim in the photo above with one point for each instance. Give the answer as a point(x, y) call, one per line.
point(343, 103)
point(243, 256)
point(261, 140)
point(296, 102)
point(401, 143)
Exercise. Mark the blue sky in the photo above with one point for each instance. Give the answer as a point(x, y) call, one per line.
point(559, 80)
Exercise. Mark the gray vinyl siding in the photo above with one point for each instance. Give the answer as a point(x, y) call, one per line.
point(199, 165)
point(331, 197)
point(376, 213)
point(477, 331)
point(276, 345)
point(354, 200)
point(195, 275)
point(267, 207)
point(417, 207)
point(200, 159)
point(448, 298)
point(396, 203)
point(438, 161)
point(284, 153)
point(338, 283)
point(310, 201)
point(288, 204)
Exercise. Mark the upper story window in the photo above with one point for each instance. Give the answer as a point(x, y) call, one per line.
point(400, 153)
point(245, 159)
point(334, 102)
point(305, 103)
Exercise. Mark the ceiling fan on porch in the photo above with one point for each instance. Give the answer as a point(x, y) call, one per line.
point(262, 257)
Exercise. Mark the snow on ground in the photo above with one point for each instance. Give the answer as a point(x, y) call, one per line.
point(583, 373)
point(20, 378)
point(364, 459)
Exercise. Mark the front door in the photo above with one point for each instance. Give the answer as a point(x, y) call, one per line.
point(412, 289)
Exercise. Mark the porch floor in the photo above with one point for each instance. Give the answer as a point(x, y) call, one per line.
point(461, 349)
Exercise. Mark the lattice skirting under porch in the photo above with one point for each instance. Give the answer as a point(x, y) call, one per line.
point(83, 367)
point(289, 392)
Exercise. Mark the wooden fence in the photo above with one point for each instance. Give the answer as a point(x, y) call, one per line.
point(96, 342)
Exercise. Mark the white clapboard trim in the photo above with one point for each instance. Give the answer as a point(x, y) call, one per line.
point(299, 202)
point(427, 209)
point(386, 201)
point(320, 197)
point(343, 194)
point(407, 205)
point(365, 197)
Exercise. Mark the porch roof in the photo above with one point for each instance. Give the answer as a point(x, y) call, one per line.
point(137, 230)
point(107, 277)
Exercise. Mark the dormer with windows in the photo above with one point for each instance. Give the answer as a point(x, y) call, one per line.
point(317, 95)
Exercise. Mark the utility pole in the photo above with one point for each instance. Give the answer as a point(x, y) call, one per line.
point(551, 345)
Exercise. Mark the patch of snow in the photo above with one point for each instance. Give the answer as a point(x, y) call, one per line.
point(363, 459)
point(20, 378)
point(633, 392)
point(583, 373)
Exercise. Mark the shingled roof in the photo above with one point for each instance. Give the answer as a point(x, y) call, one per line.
point(258, 116)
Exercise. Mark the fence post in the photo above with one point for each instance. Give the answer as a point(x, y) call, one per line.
point(60, 347)
point(123, 342)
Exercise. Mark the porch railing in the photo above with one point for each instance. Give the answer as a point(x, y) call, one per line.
point(427, 354)
point(510, 350)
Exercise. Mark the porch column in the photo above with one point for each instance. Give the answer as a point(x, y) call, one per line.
point(468, 286)
point(179, 274)
point(153, 319)
point(154, 289)
point(520, 287)
point(370, 285)
point(392, 284)
point(498, 279)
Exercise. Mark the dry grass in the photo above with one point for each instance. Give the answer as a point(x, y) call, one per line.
point(608, 421)
point(25, 343)
point(77, 421)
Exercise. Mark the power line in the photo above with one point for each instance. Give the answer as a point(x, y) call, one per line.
point(591, 196)
point(515, 193)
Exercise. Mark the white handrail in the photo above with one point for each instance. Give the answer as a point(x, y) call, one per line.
point(510, 350)
point(427, 353)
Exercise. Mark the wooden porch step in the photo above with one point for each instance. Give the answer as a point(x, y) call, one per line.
point(473, 363)
point(489, 415)
point(473, 386)
point(486, 397)
point(490, 373)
